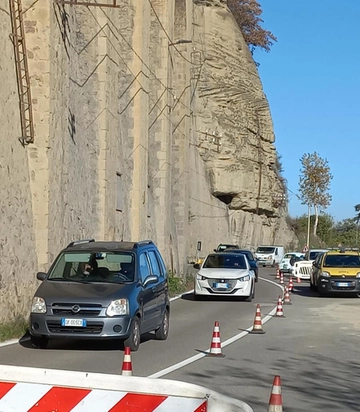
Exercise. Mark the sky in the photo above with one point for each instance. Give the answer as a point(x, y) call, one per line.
point(311, 78)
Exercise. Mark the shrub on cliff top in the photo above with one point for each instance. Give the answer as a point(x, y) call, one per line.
point(247, 14)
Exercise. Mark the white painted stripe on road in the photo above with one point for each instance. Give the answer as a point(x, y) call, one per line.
point(27, 393)
point(9, 342)
point(179, 296)
point(99, 400)
point(223, 344)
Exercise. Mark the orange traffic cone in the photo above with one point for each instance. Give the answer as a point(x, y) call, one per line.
point(298, 280)
point(257, 327)
point(287, 300)
point(275, 401)
point(277, 273)
point(291, 285)
point(127, 366)
point(215, 348)
point(281, 278)
point(279, 309)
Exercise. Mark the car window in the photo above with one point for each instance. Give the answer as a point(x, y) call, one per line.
point(288, 256)
point(314, 254)
point(225, 262)
point(341, 261)
point(248, 254)
point(155, 267)
point(162, 265)
point(144, 267)
point(264, 249)
point(94, 267)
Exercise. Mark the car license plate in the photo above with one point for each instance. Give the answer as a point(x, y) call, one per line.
point(221, 285)
point(342, 284)
point(81, 323)
point(285, 266)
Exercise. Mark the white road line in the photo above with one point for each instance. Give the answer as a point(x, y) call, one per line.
point(9, 342)
point(185, 362)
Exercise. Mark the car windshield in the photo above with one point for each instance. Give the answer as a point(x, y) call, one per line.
point(265, 249)
point(232, 261)
point(288, 256)
point(247, 253)
point(103, 267)
point(343, 261)
point(312, 255)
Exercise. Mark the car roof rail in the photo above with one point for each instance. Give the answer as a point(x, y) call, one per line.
point(79, 242)
point(143, 242)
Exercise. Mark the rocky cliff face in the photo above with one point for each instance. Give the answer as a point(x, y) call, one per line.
point(235, 130)
point(150, 122)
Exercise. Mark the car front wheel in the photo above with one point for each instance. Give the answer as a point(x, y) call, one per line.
point(133, 341)
point(252, 295)
point(163, 331)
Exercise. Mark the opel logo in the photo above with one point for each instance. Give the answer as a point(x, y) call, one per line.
point(76, 309)
point(343, 276)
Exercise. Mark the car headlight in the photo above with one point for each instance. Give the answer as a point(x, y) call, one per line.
point(325, 274)
point(200, 277)
point(270, 257)
point(244, 278)
point(358, 275)
point(118, 307)
point(38, 305)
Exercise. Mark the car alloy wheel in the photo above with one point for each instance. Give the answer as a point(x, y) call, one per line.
point(133, 341)
point(163, 331)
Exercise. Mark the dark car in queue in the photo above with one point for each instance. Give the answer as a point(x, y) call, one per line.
point(250, 257)
point(102, 290)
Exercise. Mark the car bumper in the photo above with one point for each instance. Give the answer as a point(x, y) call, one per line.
point(264, 262)
point(334, 285)
point(206, 287)
point(96, 328)
point(285, 270)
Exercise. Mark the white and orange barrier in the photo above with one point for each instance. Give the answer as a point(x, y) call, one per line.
point(25, 389)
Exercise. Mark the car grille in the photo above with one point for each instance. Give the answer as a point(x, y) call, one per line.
point(66, 309)
point(91, 328)
point(230, 282)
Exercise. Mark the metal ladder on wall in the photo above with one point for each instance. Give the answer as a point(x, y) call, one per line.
point(22, 72)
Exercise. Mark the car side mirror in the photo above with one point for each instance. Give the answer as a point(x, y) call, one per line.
point(215, 250)
point(150, 279)
point(196, 266)
point(41, 276)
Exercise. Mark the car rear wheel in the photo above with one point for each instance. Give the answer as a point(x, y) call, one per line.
point(39, 342)
point(163, 332)
point(133, 341)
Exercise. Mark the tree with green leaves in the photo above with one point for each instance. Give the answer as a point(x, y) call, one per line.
point(247, 14)
point(314, 184)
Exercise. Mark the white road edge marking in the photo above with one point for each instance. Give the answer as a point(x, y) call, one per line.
point(223, 344)
point(9, 342)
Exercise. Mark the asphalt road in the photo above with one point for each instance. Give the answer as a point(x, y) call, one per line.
point(314, 348)
point(191, 327)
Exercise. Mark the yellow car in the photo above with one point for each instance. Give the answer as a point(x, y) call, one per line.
point(336, 272)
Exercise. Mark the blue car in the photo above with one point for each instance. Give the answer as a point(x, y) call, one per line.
point(102, 290)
